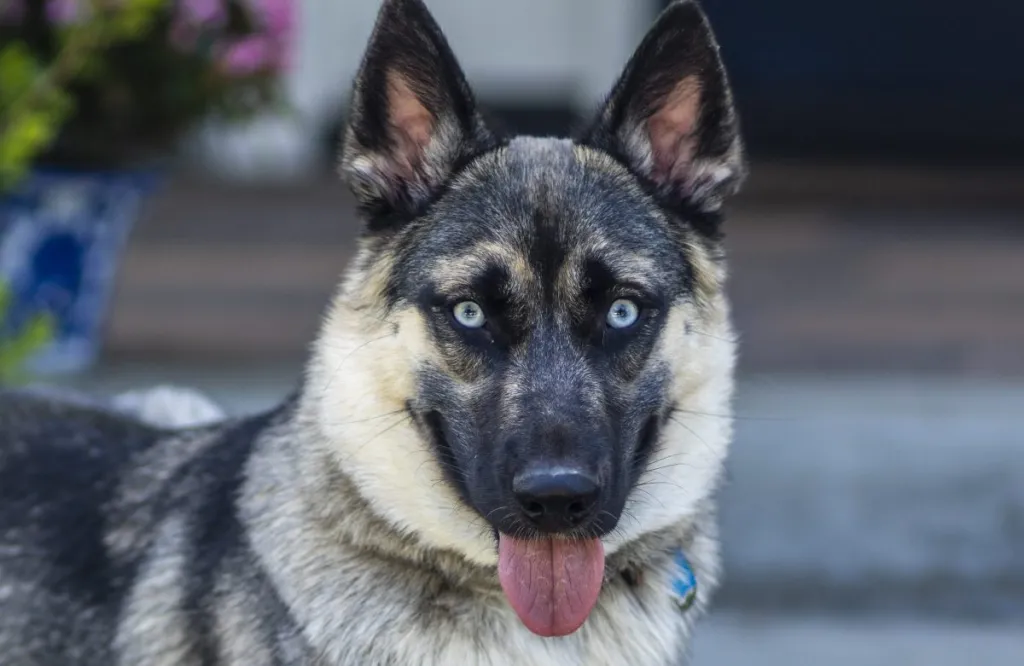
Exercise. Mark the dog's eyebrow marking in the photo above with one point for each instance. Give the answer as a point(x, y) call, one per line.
point(492, 285)
point(464, 270)
point(576, 278)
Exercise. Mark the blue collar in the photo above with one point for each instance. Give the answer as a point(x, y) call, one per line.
point(684, 585)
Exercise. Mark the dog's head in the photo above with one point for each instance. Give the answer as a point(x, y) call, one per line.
point(534, 343)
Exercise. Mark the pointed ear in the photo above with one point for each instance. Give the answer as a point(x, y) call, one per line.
point(670, 117)
point(412, 118)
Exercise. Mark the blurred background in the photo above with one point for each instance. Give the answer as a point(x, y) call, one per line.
point(874, 511)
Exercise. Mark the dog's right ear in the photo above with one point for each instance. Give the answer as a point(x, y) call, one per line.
point(412, 119)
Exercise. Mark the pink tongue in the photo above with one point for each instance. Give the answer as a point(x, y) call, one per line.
point(552, 584)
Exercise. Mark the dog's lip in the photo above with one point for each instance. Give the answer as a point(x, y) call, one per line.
point(433, 421)
point(432, 426)
point(648, 437)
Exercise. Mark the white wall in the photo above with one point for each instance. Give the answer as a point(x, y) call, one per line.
point(521, 49)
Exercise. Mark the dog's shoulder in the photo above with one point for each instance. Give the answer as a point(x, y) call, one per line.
point(59, 467)
point(99, 512)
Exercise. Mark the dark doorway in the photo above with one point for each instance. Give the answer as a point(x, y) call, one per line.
point(920, 80)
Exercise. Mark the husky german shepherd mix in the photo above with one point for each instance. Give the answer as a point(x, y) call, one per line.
point(511, 428)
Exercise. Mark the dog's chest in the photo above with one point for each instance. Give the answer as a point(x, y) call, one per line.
point(626, 628)
point(635, 625)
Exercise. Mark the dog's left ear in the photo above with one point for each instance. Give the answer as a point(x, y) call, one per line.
point(412, 117)
point(670, 117)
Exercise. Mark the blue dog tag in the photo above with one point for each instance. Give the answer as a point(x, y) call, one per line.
point(684, 585)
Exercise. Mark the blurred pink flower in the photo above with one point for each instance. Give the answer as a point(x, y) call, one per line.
point(278, 17)
point(278, 20)
point(248, 55)
point(62, 12)
point(202, 12)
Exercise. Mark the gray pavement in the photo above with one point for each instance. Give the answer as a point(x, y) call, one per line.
point(877, 493)
point(736, 640)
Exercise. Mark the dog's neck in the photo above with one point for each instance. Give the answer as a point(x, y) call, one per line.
point(304, 487)
point(314, 535)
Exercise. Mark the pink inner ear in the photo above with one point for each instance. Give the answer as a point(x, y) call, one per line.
point(411, 121)
point(673, 131)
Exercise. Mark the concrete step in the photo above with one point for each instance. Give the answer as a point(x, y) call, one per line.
point(877, 493)
point(729, 639)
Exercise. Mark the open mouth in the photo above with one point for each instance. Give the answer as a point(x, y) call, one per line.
point(552, 582)
point(432, 427)
point(435, 425)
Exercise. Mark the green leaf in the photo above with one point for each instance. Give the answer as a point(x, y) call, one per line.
point(18, 69)
point(16, 349)
point(24, 138)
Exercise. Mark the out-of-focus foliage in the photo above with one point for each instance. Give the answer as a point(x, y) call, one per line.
point(102, 83)
point(17, 346)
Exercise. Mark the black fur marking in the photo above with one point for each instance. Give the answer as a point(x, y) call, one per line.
point(505, 319)
point(604, 287)
point(488, 289)
point(547, 251)
point(600, 282)
point(433, 426)
point(648, 437)
point(217, 534)
point(66, 490)
point(634, 576)
point(60, 467)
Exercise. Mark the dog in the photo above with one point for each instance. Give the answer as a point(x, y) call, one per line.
point(507, 442)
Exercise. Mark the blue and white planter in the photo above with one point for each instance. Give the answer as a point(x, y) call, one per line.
point(62, 235)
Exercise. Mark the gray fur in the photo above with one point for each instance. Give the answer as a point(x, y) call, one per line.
point(298, 546)
point(353, 524)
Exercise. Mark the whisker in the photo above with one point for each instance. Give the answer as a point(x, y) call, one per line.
point(347, 356)
point(694, 433)
point(655, 482)
point(733, 340)
point(367, 419)
point(379, 434)
point(738, 417)
point(649, 495)
point(663, 468)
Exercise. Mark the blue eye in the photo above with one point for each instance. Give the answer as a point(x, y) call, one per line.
point(623, 313)
point(469, 314)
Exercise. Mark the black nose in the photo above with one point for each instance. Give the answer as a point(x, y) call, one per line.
point(556, 499)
